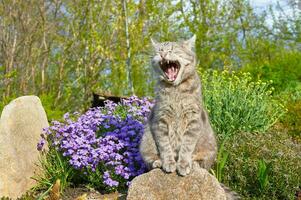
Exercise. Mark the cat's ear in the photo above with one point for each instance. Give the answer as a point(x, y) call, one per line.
point(154, 43)
point(190, 43)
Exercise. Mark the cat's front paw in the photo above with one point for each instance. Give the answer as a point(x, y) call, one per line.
point(184, 167)
point(157, 164)
point(169, 165)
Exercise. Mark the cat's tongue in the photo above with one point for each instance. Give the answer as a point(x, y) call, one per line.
point(171, 73)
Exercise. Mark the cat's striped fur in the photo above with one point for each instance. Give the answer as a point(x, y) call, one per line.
point(178, 131)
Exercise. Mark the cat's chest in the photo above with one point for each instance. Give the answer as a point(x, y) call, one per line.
point(176, 119)
point(173, 108)
point(176, 105)
point(177, 108)
point(175, 113)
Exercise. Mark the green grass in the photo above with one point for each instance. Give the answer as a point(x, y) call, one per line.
point(53, 167)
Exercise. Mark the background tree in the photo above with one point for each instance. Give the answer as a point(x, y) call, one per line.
point(63, 50)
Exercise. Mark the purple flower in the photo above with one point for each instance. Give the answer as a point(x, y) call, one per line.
point(108, 181)
point(41, 144)
point(103, 139)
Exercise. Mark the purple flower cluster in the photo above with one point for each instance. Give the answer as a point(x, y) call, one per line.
point(104, 139)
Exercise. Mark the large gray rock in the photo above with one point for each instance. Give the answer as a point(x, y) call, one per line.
point(21, 124)
point(157, 185)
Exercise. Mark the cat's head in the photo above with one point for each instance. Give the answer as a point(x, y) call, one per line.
point(174, 61)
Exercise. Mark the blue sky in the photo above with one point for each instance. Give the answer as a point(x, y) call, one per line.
point(262, 5)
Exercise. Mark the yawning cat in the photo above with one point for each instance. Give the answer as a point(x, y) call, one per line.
point(178, 131)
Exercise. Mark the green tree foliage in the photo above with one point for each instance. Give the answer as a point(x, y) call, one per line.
point(63, 50)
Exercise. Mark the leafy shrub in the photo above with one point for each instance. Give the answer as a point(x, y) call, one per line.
point(4, 102)
point(291, 121)
point(236, 103)
point(263, 166)
point(102, 144)
point(53, 111)
point(284, 69)
point(48, 102)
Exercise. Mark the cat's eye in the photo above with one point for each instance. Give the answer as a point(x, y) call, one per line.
point(169, 50)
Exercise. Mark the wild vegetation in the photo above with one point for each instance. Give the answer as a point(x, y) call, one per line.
point(249, 63)
point(63, 50)
point(98, 148)
point(236, 103)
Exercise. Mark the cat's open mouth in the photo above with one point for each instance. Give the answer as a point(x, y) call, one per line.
point(170, 69)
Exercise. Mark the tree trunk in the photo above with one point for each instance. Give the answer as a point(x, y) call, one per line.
point(128, 48)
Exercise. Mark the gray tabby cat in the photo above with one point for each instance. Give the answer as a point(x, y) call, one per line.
point(178, 131)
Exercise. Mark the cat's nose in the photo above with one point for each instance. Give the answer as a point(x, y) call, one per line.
point(163, 54)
